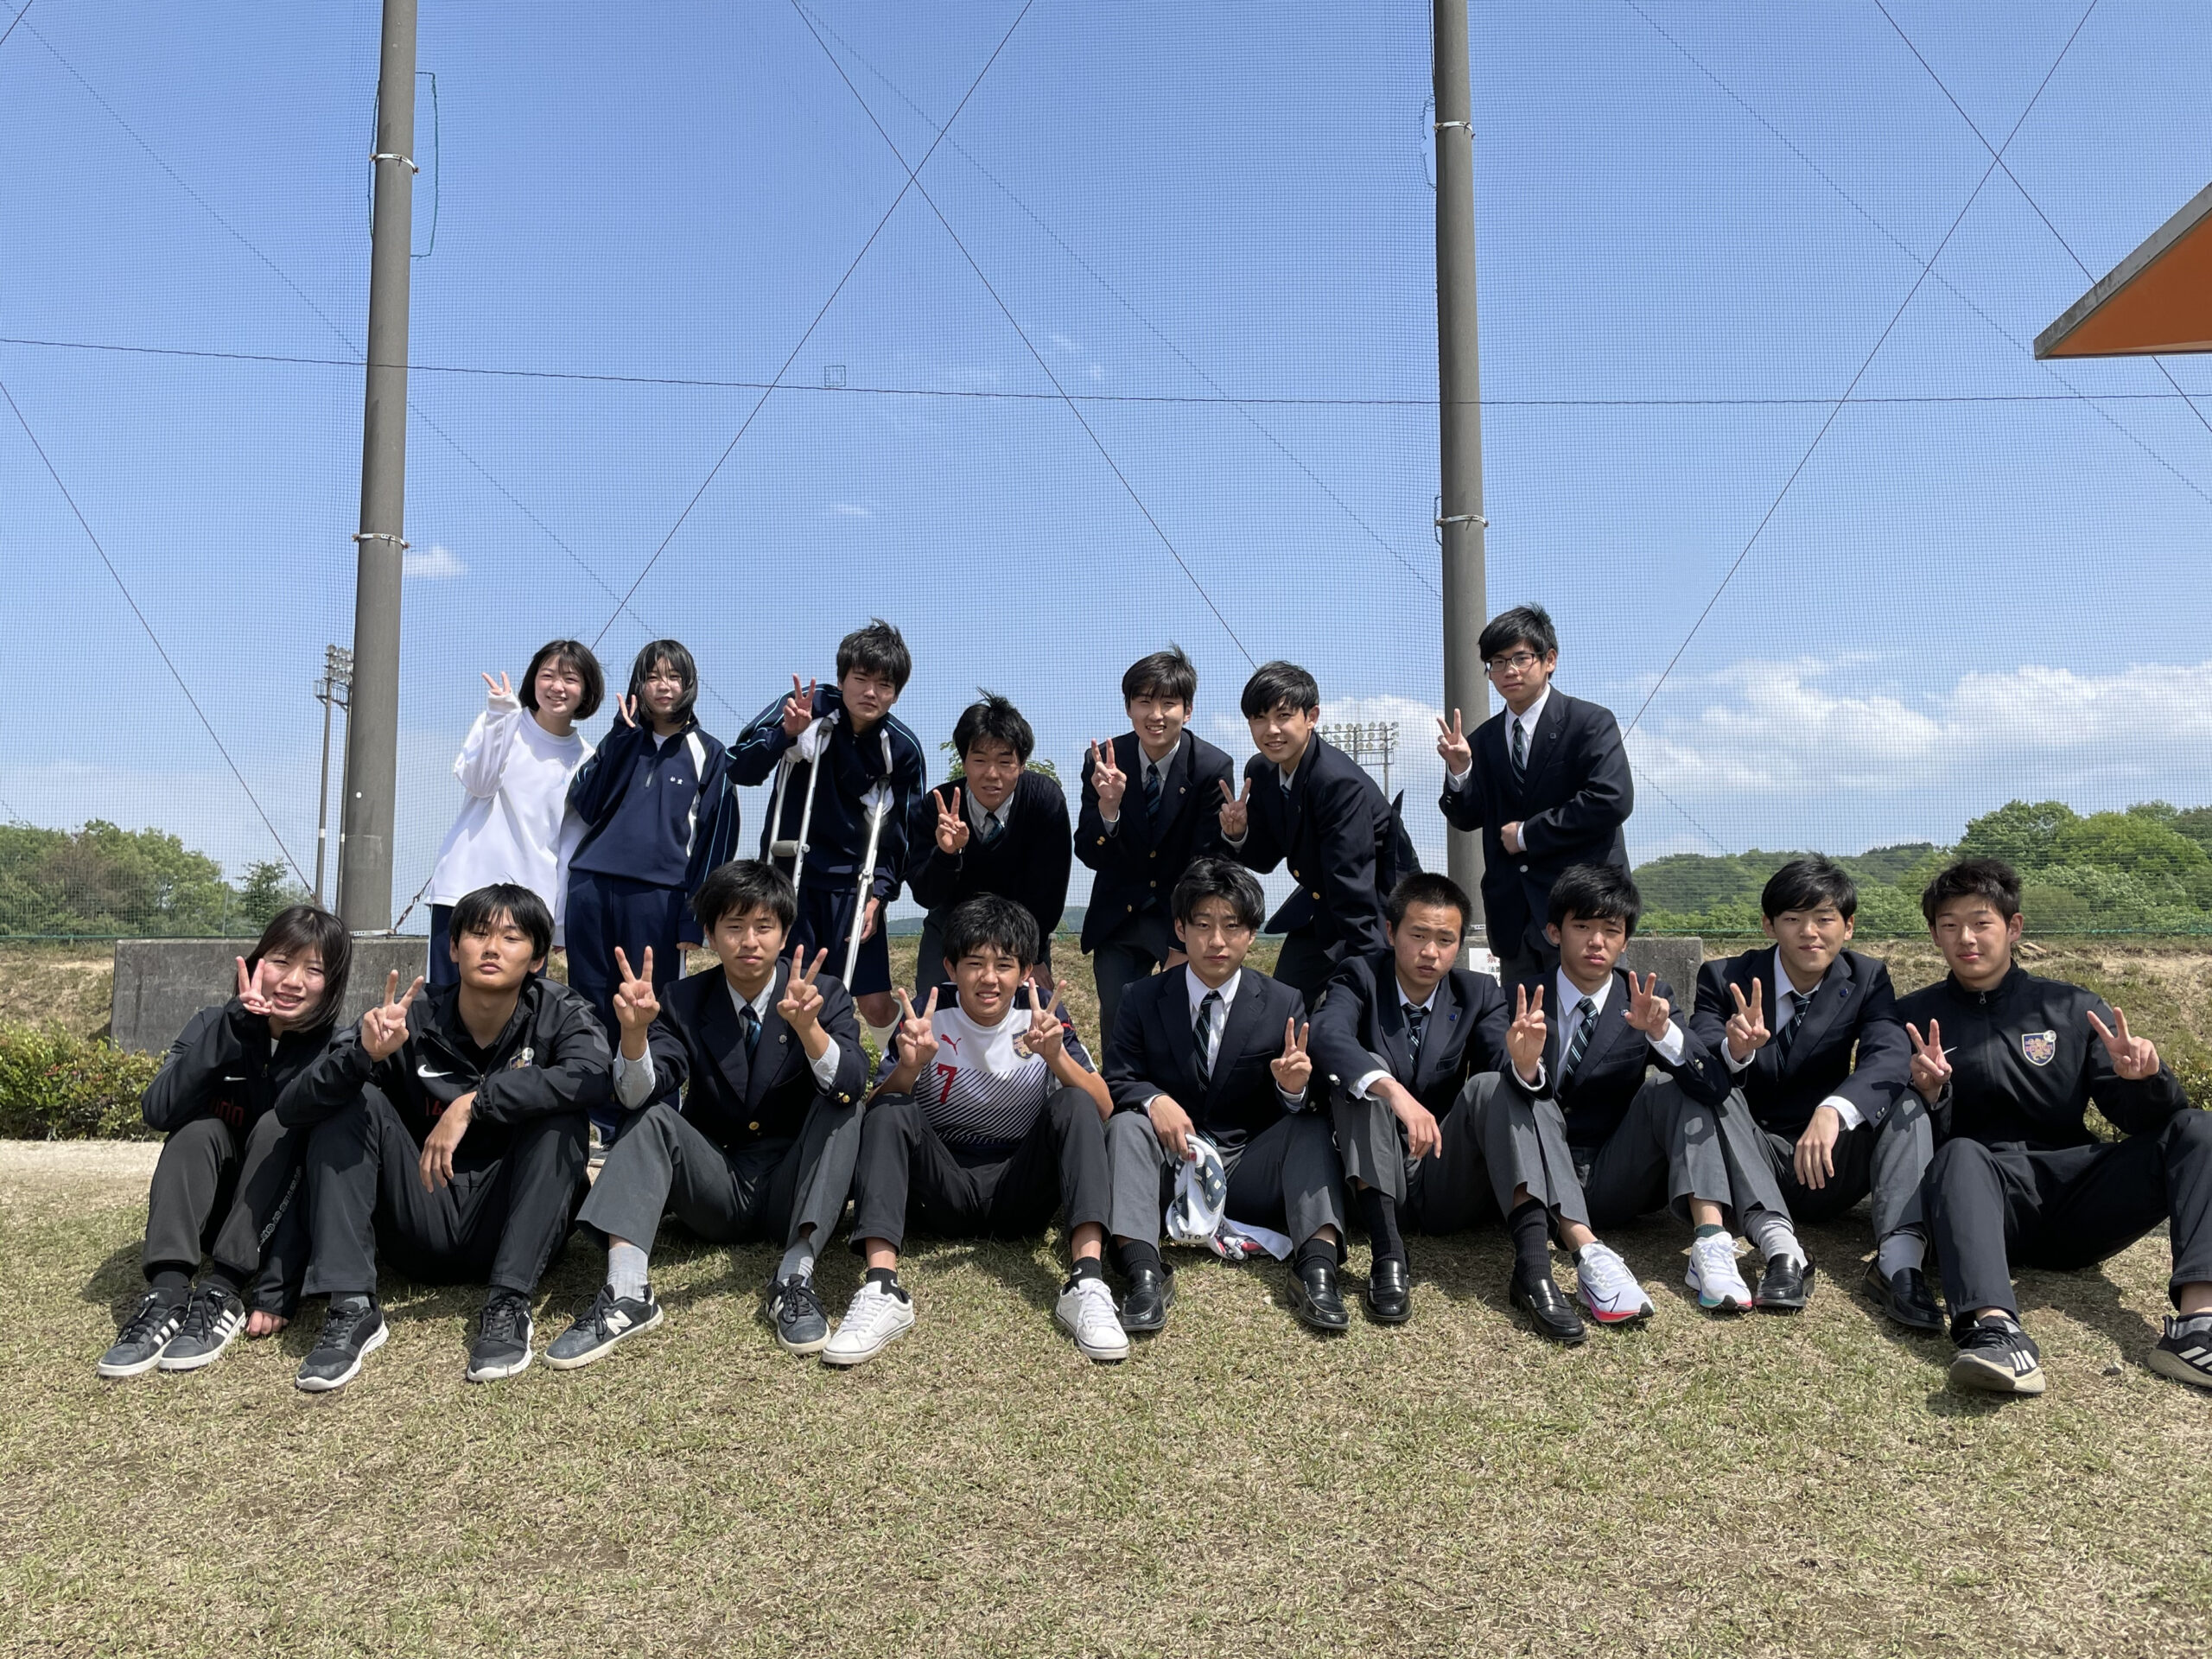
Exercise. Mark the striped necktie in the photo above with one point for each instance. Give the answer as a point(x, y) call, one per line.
point(1206, 1034)
point(1520, 748)
point(1416, 1027)
point(1803, 1003)
point(1577, 1045)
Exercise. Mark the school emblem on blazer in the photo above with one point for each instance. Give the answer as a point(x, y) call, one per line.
point(2038, 1046)
point(522, 1060)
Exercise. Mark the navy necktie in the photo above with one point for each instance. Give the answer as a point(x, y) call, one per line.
point(748, 1025)
point(1788, 1038)
point(1155, 785)
point(992, 828)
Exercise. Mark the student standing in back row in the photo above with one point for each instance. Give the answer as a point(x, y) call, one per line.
point(1547, 782)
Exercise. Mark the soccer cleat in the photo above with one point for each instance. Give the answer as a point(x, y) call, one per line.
point(1608, 1289)
point(1085, 1312)
point(350, 1334)
point(801, 1323)
point(599, 1327)
point(138, 1345)
point(213, 1317)
point(1997, 1357)
point(876, 1317)
point(503, 1333)
point(2185, 1352)
point(1714, 1276)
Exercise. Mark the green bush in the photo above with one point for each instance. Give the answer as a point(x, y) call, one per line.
point(54, 1086)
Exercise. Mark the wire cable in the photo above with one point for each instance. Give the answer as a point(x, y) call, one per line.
point(21, 12)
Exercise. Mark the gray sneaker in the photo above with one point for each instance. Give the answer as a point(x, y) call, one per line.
point(138, 1345)
point(211, 1319)
point(801, 1323)
point(351, 1330)
point(599, 1327)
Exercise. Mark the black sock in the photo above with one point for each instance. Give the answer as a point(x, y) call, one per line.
point(1316, 1252)
point(1531, 1227)
point(888, 1278)
point(1140, 1253)
point(174, 1281)
point(1378, 1213)
point(1087, 1267)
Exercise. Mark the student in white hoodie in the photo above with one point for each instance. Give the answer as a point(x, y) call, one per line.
point(516, 764)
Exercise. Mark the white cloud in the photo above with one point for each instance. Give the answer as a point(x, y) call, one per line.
point(439, 564)
point(850, 509)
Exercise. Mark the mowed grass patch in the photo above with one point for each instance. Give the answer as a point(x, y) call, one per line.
point(1239, 1486)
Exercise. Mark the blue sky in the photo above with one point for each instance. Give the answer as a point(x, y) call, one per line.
point(1959, 602)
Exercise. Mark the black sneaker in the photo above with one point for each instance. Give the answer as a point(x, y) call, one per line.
point(213, 1317)
point(599, 1327)
point(503, 1333)
point(1997, 1357)
point(2184, 1353)
point(801, 1323)
point(352, 1330)
point(138, 1345)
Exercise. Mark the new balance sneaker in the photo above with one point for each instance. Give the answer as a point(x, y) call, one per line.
point(1997, 1357)
point(352, 1329)
point(138, 1345)
point(2184, 1353)
point(1085, 1312)
point(213, 1316)
point(1608, 1289)
point(801, 1323)
point(503, 1333)
point(876, 1317)
point(599, 1327)
point(1714, 1276)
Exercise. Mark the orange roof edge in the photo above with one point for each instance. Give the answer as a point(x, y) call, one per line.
point(2156, 300)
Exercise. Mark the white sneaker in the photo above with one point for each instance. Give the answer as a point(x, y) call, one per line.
point(1085, 1312)
point(1608, 1289)
point(873, 1319)
point(1721, 1289)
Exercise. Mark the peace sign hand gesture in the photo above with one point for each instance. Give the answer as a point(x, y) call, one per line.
point(1453, 746)
point(384, 1027)
point(626, 709)
point(952, 827)
point(1524, 1037)
point(917, 1037)
point(250, 996)
point(1647, 1011)
point(801, 1002)
point(1235, 809)
point(1108, 779)
point(798, 707)
point(1747, 1033)
point(1047, 1037)
point(502, 693)
point(636, 1003)
point(2133, 1057)
point(1931, 1068)
point(1294, 1068)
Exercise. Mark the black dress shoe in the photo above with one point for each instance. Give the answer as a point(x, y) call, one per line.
point(1314, 1297)
point(1538, 1295)
point(1784, 1287)
point(1905, 1297)
point(1389, 1301)
point(1150, 1294)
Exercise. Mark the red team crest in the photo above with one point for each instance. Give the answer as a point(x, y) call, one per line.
point(2038, 1046)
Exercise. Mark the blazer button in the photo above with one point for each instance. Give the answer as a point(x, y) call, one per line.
point(1317, 895)
point(1524, 869)
point(1154, 852)
point(755, 1128)
point(1151, 884)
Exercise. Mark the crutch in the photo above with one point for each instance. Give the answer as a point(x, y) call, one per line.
point(796, 850)
point(876, 815)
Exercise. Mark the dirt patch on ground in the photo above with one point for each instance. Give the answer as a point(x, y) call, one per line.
point(69, 985)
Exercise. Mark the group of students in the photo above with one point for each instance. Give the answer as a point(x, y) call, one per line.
point(1372, 1082)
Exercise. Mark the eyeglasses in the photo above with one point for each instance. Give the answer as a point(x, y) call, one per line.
point(1521, 660)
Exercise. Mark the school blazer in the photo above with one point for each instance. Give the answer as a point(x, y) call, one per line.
point(735, 1099)
point(1138, 862)
point(1596, 1099)
point(1344, 844)
point(1359, 1026)
point(1853, 1010)
point(1152, 1053)
point(1028, 863)
point(1571, 808)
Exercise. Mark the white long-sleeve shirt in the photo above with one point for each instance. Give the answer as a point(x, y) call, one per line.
point(514, 826)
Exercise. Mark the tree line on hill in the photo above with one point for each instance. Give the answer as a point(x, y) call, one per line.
point(102, 883)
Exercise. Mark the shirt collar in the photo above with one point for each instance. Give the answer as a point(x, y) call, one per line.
point(1197, 988)
point(1147, 766)
point(1569, 994)
point(1783, 985)
point(979, 816)
point(758, 1005)
point(1534, 713)
point(1405, 1001)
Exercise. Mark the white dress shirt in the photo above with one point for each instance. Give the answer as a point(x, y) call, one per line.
point(1786, 998)
point(1199, 990)
point(1526, 720)
point(1571, 998)
point(1144, 771)
point(634, 1079)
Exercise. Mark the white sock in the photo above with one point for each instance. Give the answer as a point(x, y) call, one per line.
point(1772, 1236)
point(1903, 1251)
point(626, 1271)
point(883, 1034)
point(798, 1262)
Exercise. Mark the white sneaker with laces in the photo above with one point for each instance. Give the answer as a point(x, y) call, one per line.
point(873, 1319)
point(1086, 1313)
point(1720, 1287)
point(1608, 1289)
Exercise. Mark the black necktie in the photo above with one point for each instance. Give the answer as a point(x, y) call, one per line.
point(1416, 1027)
point(1205, 1034)
point(1578, 1044)
point(748, 1026)
point(1520, 748)
point(1788, 1038)
point(992, 828)
point(1154, 784)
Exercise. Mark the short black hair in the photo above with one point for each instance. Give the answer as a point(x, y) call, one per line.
point(1275, 683)
point(880, 649)
point(1807, 884)
point(1426, 888)
point(673, 652)
point(993, 720)
point(568, 653)
point(1524, 624)
point(991, 918)
point(1220, 877)
point(310, 927)
point(1973, 878)
point(479, 912)
point(744, 884)
point(1596, 892)
point(1167, 673)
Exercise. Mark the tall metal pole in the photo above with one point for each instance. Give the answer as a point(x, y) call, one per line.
point(1459, 381)
point(372, 721)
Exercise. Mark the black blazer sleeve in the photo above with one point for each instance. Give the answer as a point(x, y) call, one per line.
point(1463, 808)
point(1052, 858)
point(1604, 797)
point(933, 875)
point(842, 1022)
point(1883, 1065)
point(1345, 839)
point(1263, 848)
point(1708, 1020)
point(1702, 1074)
point(1339, 1051)
point(1128, 1055)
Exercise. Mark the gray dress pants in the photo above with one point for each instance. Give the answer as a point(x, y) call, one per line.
point(1448, 1193)
point(1889, 1162)
point(1287, 1178)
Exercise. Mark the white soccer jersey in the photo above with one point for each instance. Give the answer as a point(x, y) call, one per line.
point(983, 1091)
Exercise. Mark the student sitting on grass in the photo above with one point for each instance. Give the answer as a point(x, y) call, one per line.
point(989, 1119)
point(1218, 1050)
point(2009, 1065)
point(450, 1138)
point(764, 1143)
point(228, 1183)
point(1809, 1033)
point(997, 827)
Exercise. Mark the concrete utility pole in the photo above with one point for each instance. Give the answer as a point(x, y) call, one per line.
point(372, 721)
point(1458, 382)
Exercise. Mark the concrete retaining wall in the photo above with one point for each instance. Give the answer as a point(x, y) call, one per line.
point(160, 983)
